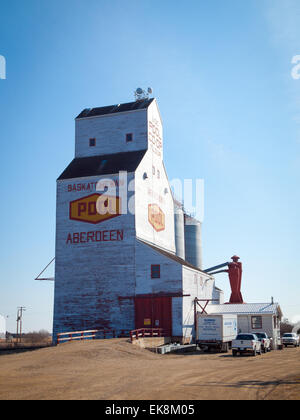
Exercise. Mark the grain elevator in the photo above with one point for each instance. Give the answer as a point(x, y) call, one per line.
point(127, 254)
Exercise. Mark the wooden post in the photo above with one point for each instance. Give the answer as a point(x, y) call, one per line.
point(195, 320)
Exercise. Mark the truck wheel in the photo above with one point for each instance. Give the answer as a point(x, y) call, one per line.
point(234, 353)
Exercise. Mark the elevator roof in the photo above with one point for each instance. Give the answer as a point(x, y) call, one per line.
point(103, 165)
point(113, 109)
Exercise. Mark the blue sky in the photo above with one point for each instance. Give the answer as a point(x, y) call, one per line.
point(221, 72)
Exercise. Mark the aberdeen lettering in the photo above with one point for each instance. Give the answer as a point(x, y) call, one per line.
point(95, 236)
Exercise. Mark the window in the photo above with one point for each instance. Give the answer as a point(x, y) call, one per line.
point(155, 271)
point(245, 337)
point(256, 322)
point(129, 137)
point(92, 142)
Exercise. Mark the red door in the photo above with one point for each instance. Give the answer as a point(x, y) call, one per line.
point(154, 312)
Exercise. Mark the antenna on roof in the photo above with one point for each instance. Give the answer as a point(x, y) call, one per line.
point(141, 95)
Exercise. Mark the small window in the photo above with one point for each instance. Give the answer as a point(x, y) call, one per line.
point(158, 174)
point(92, 142)
point(256, 322)
point(155, 271)
point(129, 137)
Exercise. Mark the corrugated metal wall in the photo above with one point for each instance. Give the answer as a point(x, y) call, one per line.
point(179, 230)
point(193, 241)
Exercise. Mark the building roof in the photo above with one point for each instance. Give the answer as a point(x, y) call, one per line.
point(245, 308)
point(173, 257)
point(103, 165)
point(114, 109)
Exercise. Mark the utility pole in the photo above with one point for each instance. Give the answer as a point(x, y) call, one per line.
point(19, 322)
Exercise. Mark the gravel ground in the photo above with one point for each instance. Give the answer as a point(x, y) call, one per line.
point(116, 370)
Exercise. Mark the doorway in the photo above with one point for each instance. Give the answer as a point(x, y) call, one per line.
point(154, 312)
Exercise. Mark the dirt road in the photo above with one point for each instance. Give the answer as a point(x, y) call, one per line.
point(116, 370)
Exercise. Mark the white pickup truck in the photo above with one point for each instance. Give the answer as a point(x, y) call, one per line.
point(266, 342)
point(246, 343)
point(290, 339)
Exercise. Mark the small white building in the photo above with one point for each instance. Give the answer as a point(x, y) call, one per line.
point(2, 328)
point(254, 317)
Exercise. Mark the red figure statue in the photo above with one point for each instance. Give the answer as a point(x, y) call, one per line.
point(235, 278)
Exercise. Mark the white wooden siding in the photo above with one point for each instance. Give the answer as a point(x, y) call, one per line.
point(245, 325)
point(155, 189)
point(96, 282)
point(90, 277)
point(170, 280)
point(197, 285)
point(110, 133)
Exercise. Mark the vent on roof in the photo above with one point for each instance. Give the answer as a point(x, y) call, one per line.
point(141, 95)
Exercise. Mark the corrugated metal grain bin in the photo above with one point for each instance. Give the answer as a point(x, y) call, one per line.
point(193, 241)
point(179, 230)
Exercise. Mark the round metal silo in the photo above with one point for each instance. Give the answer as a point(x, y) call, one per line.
point(179, 229)
point(193, 241)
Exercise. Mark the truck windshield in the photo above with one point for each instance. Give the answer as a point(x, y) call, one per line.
point(261, 335)
point(288, 335)
point(245, 337)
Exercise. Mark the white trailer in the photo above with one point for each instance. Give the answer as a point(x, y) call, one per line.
point(216, 331)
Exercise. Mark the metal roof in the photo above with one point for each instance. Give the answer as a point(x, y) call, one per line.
point(245, 308)
point(173, 257)
point(103, 165)
point(114, 109)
